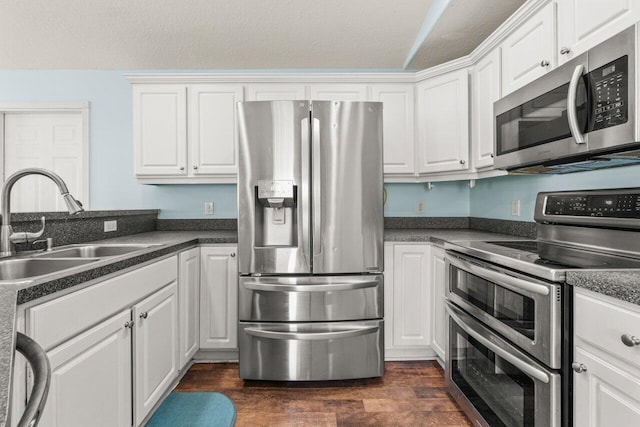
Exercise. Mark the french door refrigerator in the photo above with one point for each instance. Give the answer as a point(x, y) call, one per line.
point(310, 240)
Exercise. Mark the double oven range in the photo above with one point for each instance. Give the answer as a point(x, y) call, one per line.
point(509, 360)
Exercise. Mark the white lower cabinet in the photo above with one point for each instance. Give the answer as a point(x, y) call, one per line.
point(189, 303)
point(438, 286)
point(606, 377)
point(218, 297)
point(155, 348)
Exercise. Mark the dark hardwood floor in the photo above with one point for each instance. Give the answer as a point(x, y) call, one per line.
point(409, 394)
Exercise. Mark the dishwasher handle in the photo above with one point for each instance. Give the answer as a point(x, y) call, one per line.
point(41, 368)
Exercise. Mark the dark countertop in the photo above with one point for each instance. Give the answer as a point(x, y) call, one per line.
point(620, 284)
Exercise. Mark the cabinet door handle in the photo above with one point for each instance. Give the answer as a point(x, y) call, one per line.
point(491, 155)
point(232, 255)
point(630, 340)
point(181, 168)
point(129, 324)
point(544, 63)
point(462, 162)
point(578, 367)
point(143, 315)
point(565, 50)
point(195, 167)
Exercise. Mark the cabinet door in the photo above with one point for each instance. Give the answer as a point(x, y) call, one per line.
point(583, 24)
point(189, 304)
point(276, 92)
point(397, 127)
point(155, 348)
point(91, 378)
point(486, 91)
point(443, 123)
point(604, 395)
point(212, 128)
point(218, 298)
point(160, 129)
point(411, 326)
point(438, 284)
point(529, 52)
point(338, 92)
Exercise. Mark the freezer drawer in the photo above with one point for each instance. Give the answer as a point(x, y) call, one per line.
point(311, 351)
point(317, 298)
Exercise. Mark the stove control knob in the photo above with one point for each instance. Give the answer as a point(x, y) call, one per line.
point(578, 367)
point(630, 340)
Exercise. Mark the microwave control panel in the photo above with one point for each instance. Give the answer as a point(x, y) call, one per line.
point(610, 85)
point(598, 205)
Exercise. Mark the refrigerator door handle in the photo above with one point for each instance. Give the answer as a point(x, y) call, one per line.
point(345, 286)
point(305, 155)
point(311, 336)
point(317, 190)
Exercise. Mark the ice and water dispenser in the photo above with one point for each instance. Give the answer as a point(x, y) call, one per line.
point(276, 206)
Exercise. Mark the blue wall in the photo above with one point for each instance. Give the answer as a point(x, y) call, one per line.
point(113, 186)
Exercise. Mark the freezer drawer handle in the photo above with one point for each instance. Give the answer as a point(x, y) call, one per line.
point(523, 365)
point(311, 336)
point(262, 286)
point(511, 282)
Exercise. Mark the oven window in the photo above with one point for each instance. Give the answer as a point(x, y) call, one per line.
point(501, 393)
point(541, 120)
point(514, 310)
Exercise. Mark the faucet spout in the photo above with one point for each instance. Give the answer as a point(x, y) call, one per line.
point(6, 231)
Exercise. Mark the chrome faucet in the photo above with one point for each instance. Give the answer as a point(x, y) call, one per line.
point(8, 238)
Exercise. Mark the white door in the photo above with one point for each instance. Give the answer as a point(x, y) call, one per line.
point(443, 123)
point(155, 348)
point(91, 378)
point(604, 395)
point(438, 284)
point(160, 129)
point(51, 141)
point(397, 127)
point(583, 24)
point(218, 297)
point(339, 92)
point(213, 137)
point(276, 92)
point(189, 303)
point(486, 91)
point(529, 52)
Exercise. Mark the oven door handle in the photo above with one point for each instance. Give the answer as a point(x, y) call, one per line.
point(311, 336)
point(513, 283)
point(466, 323)
point(572, 108)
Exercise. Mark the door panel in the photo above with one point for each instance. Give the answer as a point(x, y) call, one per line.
point(347, 187)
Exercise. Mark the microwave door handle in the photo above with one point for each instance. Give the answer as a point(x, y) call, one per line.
point(523, 365)
point(572, 108)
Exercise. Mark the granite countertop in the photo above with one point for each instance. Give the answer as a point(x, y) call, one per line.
point(620, 284)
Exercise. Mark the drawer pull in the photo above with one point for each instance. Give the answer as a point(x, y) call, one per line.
point(129, 324)
point(144, 315)
point(630, 340)
point(578, 367)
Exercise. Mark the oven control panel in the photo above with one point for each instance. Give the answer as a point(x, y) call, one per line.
point(610, 205)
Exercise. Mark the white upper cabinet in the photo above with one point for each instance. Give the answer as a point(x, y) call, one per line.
point(529, 52)
point(486, 91)
point(582, 24)
point(397, 126)
point(443, 123)
point(276, 92)
point(339, 92)
point(212, 133)
point(160, 129)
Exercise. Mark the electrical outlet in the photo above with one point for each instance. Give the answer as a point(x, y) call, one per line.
point(110, 226)
point(420, 207)
point(515, 207)
point(208, 208)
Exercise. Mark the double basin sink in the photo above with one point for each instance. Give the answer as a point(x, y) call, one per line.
point(62, 258)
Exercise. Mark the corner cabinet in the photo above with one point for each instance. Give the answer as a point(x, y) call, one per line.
point(606, 361)
point(218, 298)
point(185, 133)
point(486, 91)
point(438, 302)
point(189, 303)
point(443, 123)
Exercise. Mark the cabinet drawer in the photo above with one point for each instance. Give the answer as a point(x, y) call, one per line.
point(57, 320)
point(601, 323)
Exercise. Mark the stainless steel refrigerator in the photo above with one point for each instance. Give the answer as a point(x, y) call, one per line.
point(310, 240)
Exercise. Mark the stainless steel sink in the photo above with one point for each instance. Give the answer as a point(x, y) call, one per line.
point(91, 251)
point(14, 269)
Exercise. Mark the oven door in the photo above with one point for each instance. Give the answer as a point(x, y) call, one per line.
point(524, 310)
point(495, 383)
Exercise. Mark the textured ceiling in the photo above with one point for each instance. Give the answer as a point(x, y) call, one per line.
point(236, 34)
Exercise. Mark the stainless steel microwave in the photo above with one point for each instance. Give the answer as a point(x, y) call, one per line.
point(582, 109)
